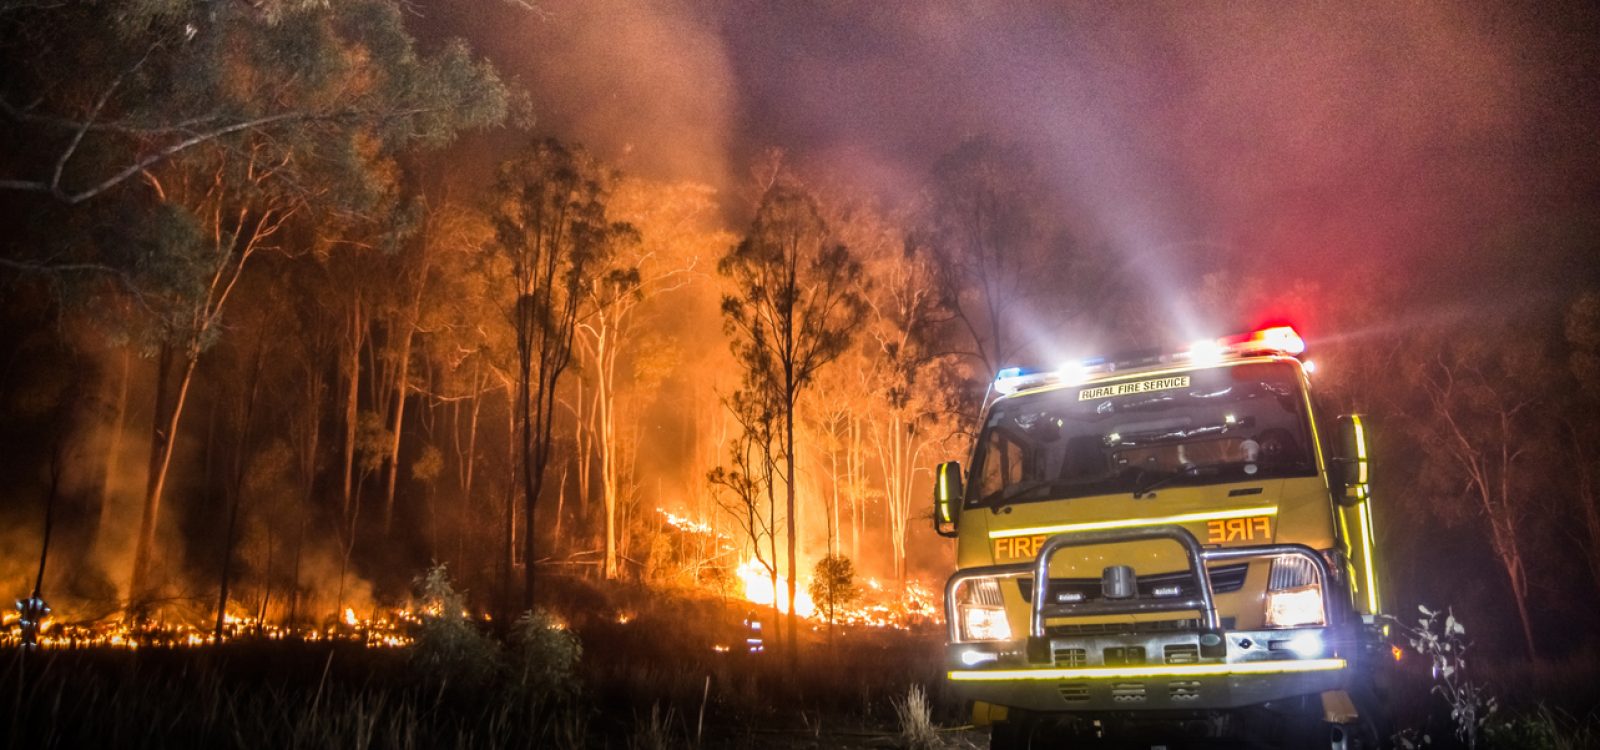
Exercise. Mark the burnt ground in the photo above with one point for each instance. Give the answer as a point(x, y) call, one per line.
point(651, 675)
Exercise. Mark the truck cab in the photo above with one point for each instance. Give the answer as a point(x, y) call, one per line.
point(1164, 546)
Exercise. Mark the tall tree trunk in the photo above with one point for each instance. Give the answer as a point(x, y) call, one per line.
point(857, 497)
point(793, 623)
point(604, 412)
point(585, 429)
point(833, 507)
point(468, 463)
point(539, 445)
point(561, 503)
point(162, 443)
point(236, 491)
point(294, 590)
point(114, 451)
point(1510, 553)
point(772, 544)
point(530, 487)
point(266, 587)
point(402, 370)
point(1588, 499)
point(516, 461)
point(352, 394)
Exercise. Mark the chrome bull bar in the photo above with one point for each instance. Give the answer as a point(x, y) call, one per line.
point(1205, 603)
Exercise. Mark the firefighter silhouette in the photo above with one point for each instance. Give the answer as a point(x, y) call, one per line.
point(32, 612)
point(753, 639)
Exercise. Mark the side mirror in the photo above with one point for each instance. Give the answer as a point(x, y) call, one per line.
point(1352, 459)
point(947, 495)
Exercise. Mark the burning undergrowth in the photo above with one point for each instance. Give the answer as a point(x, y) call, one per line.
point(325, 602)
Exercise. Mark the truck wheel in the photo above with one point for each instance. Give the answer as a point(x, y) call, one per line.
point(1012, 734)
point(1362, 735)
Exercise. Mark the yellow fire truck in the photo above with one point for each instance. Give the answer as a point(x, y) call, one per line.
point(1165, 547)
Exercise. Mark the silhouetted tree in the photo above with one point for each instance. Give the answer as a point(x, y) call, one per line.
point(551, 223)
point(794, 308)
point(1480, 429)
point(833, 585)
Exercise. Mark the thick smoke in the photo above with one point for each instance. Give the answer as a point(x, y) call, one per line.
point(645, 84)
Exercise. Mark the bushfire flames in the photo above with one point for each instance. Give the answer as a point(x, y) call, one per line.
point(381, 630)
point(758, 588)
point(875, 606)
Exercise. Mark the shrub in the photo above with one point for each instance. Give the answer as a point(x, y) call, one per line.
point(1442, 638)
point(544, 654)
point(833, 585)
point(1544, 729)
point(450, 648)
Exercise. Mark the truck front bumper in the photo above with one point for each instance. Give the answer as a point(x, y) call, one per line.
point(1207, 668)
point(1260, 667)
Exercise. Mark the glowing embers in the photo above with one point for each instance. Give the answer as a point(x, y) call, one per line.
point(384, 629)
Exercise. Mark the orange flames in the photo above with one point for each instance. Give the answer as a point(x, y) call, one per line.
point(876, 606)
point(758, 589)
point(383, 630)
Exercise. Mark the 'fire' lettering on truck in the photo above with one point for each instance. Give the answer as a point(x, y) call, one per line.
point(1021, 547)
point(1238, 530)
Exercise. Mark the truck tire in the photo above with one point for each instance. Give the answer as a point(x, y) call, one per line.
point(1013, 734)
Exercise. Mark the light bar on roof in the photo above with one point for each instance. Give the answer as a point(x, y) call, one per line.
point(1280, 339)
point(1273, 340)
point(1014, 379)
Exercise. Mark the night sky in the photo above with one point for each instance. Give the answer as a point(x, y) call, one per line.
point(1314, 138)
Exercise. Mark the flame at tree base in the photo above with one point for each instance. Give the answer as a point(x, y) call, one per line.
point(758, 589)
point(875, 607)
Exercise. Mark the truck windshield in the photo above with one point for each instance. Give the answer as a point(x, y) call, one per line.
point(1225, 424)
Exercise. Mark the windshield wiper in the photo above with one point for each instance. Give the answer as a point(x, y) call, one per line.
point(1011, 494)
point(1189, 470)
point(1156, 437)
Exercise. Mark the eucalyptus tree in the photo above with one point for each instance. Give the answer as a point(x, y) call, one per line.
point(795, 302)
point(744, 487)
point(551, 223)
point(1580, 415)
point(672, 233)
point(1484, 437)
point(218, 131)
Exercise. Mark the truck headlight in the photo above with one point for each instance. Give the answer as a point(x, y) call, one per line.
point(984, 624)
point(1296, 607)
point(1294, 594)
point(981, 612)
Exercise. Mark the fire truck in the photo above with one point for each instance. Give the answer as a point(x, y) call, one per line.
point(1166, 547)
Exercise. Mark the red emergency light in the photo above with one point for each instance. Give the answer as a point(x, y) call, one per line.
point(1278, 339)
point(1273, 340)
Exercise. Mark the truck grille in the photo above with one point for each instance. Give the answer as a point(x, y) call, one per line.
point(1071, 657)
point(1183, 690)
point(1181, 653)
point(1127, 692)
point(1074, 692)
point(1117, 628)
point(1123, 656)
point(1224, 578)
